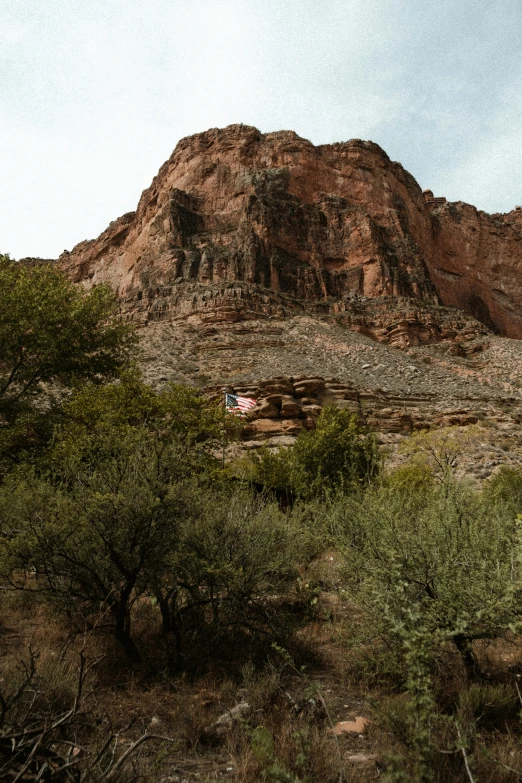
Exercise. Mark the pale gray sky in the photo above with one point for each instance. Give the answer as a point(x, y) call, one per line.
point(95, 94)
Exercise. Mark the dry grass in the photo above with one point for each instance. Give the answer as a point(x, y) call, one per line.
point(296, 705)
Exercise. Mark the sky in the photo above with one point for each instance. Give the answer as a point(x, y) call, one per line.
point(95, 95)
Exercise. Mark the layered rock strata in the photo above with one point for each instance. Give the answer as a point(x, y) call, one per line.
point(239, 224)
point(287, 406)
point(294, 365)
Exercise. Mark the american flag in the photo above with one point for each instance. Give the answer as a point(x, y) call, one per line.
point(239, 405)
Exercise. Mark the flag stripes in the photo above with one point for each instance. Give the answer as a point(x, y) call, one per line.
point(239, 405)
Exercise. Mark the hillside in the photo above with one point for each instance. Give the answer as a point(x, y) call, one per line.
point(254, 256)
point(352, 624)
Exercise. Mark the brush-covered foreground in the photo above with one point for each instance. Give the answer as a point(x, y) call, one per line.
point(162, 621)
point(304, 616)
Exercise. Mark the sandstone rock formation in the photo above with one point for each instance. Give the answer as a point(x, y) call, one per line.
point(239, 223)
point(278, 418)
point(295, 365)
point(326, 272)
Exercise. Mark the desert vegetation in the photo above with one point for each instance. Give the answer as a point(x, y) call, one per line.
point(165, 617)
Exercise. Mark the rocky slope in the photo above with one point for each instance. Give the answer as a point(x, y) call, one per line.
point(294, 365)
point(301, 275)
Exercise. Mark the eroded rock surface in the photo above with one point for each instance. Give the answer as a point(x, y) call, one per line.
point(303, 275)
point(238, 223)
point(294, 366)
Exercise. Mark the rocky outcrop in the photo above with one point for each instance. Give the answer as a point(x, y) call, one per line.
point(239, 224)
point(286, 406)
point(476, 264)
point(404, 323)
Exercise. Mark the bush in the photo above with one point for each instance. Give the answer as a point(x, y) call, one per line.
point(447, 554)
point(46, 738)
point(52, 334)
point(440, 450)
point(230, 584)
point(338, 456)
point(505, 486)
point(89, 537)
point(51, 329)
point(130, 513)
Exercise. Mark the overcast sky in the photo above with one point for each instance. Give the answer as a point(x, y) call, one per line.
point(95, 94)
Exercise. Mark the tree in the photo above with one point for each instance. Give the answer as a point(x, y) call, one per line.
point(505, 486)
point(237, 556)
point(175, 415)
point(103, 511)
point(52, 330)
point(89, 536)
point(442, 553)
point(440, 450)
point(130, 501)
point(337, 456)
point(125, 518)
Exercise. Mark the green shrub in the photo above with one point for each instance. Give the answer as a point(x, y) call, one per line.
point(506, 486)
point(416, 477)
point(456, 557)
point(89, 537)
point(231, 579)
point(131, 515)
point(441, 449)
point(338, 456)
point(51, 329)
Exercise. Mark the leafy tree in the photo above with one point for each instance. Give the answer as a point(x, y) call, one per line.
point(176, 414)
point(337, 456)
point(132, 504)
point(131, 401)
point(456, 558)
point(89, 537)
point(440, 450)
point(52, 330)
point(237, 555)
point(505, 486)
point(414, 477)
point(107, 513)
point(121, 523)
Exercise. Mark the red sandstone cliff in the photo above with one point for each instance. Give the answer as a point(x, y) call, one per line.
point(239, 221)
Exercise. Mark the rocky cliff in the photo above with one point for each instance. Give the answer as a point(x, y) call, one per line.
point(304, 275)
point(238, 224)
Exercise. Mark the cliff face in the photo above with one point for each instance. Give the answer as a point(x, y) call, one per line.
point(239, 223)
point(476, 264)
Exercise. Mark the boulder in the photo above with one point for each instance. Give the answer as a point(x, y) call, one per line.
point(268, 427)
point(312, 410)
point(266, 411)
point(290, 408)
point(310, 386)
point(276, 386)
point(218, 730)
point(356, 726)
